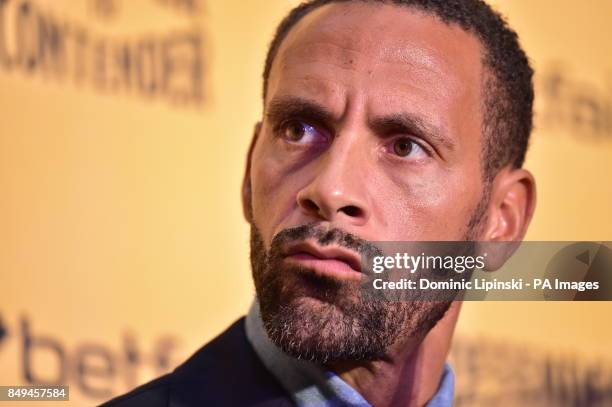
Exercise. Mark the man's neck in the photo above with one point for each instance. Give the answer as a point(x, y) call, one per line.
point(410, 375)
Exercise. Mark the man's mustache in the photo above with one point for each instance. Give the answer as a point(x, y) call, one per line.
point(324, 236)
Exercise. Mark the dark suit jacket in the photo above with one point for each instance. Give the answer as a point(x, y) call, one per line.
point(224, 372)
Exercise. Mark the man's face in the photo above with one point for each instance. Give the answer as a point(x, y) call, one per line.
point(371, 132)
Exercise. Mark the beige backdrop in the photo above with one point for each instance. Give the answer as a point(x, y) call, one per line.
point(123, 129)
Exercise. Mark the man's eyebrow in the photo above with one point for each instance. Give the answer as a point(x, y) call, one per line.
point(411, 124)
point(285, 108)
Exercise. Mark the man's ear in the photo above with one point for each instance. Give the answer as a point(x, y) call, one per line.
point(511, 205)
point(512, 201)
point(247, 205)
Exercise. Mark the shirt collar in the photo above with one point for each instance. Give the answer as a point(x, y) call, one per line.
point(309, 384)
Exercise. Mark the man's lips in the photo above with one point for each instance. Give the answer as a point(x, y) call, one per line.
point(332, 261)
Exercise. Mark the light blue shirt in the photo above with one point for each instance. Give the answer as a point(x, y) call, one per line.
point(310, 385)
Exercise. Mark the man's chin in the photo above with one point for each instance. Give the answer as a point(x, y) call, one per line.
point(314, 329)
point(306, 307)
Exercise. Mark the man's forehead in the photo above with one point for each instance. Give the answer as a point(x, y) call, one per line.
point(367, 36)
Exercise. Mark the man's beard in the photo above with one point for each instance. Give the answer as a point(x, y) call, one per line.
point(326, 320)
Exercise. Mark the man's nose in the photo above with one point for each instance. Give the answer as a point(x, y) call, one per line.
point(338, 190)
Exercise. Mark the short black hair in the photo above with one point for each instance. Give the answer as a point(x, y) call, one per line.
point(507, 81)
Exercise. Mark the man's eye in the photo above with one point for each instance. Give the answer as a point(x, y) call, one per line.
point(404, 147)
point(303, 133)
